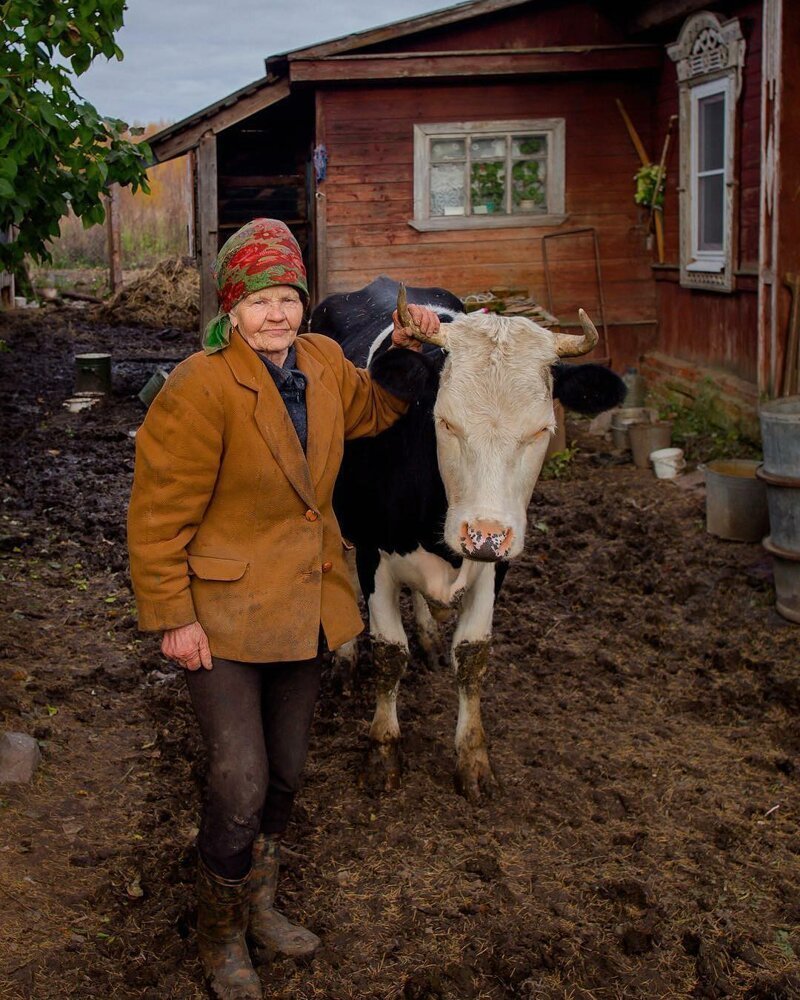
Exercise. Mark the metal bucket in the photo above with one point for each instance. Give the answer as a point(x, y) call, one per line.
point(621, 420)
point(780, 436)
point(783, 500)
point(646, 438)
point(153, 386)
point(736, 501)
point(93, 373)
point(786, 571)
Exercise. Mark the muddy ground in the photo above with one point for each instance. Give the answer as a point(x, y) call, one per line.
point(642, 712)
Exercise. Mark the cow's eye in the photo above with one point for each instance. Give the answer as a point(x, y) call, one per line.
point(534, 437)
point(447, 425)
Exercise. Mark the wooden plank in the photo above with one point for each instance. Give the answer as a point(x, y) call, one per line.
point(397, 29)
point(178, 140)
point(207, 239)
point(114, 239)
point(412, 65)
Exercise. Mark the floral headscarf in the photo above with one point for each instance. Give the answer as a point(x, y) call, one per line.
point(261, 254)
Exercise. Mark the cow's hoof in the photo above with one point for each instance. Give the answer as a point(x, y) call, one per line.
point(383, 767)
point(475, 778)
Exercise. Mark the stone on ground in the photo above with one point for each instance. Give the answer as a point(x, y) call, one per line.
point(19, 757)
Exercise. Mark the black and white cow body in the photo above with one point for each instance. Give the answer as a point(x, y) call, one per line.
point(437, 503)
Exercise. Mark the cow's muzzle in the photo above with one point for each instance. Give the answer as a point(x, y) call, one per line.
point(486, 541)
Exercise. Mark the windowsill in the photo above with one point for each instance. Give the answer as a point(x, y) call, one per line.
point(712, 265)
point(454, 222)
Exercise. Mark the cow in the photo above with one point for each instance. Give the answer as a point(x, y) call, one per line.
point(438, 503)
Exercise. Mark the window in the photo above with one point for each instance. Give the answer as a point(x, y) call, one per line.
point(488, 174)
point(709, 55)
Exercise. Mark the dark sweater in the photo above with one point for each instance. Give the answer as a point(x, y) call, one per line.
point(291, 384)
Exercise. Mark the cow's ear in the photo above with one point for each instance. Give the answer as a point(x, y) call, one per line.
point(402, 372)
point(588, 388)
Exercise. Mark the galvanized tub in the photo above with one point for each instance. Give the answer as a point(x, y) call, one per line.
point(786, 571)
point(736, 501)
point(783, 501)
point(92, 373)
point(646, 438)
point(780, 436)
point(622, 418)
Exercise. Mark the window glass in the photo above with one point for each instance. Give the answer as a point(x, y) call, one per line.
point(711, 111)
point(528, 192)
point(528, 145)
point(447, 189)
point(488, 147)
point(711, 191)
point(447, 149)
point(488, 187)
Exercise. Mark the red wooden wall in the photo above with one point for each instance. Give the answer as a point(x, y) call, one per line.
point(712, 328)
point(369, 191)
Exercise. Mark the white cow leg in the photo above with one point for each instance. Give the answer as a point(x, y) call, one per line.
point(474, 775)
point(428, 633)
point(390, 658)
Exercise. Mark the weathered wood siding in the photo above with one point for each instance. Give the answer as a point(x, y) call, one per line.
point(369, 192)
point(713, 328)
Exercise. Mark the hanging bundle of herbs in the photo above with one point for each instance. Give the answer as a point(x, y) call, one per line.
point(648, 178)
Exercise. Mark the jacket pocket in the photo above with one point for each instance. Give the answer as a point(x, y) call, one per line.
point(213, 568)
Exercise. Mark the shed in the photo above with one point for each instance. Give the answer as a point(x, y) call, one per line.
point(485, 145)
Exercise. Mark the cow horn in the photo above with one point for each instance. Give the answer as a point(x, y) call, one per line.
point(569, 346)
point(439, 339)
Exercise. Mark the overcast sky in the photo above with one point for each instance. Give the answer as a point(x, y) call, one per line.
point(182, 55)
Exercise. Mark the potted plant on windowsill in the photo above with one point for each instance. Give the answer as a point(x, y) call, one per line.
point(487, 188)
point(529, 193)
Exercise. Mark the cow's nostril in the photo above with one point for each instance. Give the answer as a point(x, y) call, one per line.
point(485, 540)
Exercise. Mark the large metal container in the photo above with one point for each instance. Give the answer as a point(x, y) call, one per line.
point(783, 501)
point(736, 501)
point(786, 571)
point(780, 436)
point(646, 438)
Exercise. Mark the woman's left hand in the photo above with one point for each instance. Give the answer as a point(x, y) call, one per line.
point(426, 320)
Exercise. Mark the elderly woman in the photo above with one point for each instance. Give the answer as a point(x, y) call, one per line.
point(236, 557)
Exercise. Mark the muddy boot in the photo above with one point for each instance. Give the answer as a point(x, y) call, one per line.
point(222, 909)
point(269, 930)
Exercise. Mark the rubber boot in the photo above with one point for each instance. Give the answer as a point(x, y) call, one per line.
point(269, 930)
point(222, 911)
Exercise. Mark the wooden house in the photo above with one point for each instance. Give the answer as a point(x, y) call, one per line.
point(495, 143)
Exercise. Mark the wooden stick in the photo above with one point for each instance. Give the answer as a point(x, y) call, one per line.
point(657, 212)
point(637, 142)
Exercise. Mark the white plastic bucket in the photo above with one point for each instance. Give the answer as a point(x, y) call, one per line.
point(667, 462)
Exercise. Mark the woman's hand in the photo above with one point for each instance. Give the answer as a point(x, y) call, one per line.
point(187, 646)
point(426, 320)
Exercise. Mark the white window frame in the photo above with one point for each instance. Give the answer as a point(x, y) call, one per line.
point(711, 261)
point(709, 57)
point(553, 128)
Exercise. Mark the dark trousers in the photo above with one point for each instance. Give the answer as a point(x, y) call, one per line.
point(255, 719)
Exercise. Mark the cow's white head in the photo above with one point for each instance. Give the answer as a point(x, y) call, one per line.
point(494, 419)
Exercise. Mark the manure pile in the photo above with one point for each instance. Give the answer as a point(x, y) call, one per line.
point(167, 296)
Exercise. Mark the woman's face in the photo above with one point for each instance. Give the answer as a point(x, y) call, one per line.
point(269, 320)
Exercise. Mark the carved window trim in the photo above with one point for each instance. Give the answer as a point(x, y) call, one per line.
point(709, 56)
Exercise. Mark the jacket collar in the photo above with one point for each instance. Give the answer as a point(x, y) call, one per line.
point(273, 421)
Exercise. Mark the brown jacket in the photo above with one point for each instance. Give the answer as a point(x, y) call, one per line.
point(230, 524)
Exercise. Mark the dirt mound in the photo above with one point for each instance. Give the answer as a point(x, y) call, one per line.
point(169, 295)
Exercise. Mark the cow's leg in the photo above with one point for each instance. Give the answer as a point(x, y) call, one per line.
point(428, 633)
point(390, 657)
point(470, 654)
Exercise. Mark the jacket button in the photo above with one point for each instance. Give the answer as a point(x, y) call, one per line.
point(327, 567)
point(311, 515)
